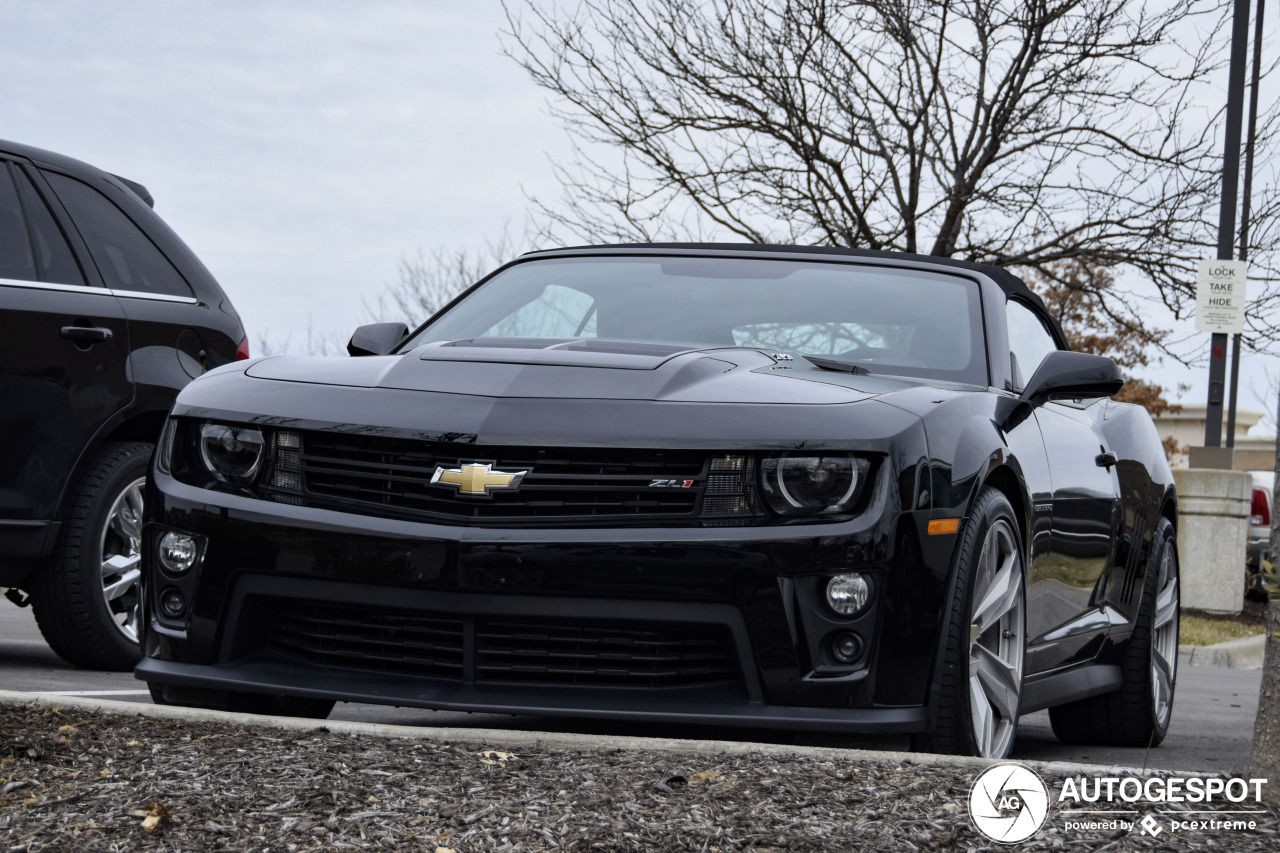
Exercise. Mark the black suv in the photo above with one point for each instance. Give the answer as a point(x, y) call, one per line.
point(105, 314)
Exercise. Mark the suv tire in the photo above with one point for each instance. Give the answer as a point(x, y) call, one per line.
point(86, 600)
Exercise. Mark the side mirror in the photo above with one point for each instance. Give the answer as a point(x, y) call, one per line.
point(1072, 374)
point(377, 338)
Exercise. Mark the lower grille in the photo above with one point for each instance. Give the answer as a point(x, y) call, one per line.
point(374, 641)
point(505, 651)
point(663, 656)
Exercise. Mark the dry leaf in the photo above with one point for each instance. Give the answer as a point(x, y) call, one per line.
point(156, 814)
point(705, 776)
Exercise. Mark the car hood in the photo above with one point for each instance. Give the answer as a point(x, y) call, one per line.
point(596, 370)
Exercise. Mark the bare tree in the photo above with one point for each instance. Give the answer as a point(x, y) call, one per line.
point(1022, 134)
point(1072, 294)
point(429, 281)
point(317, 343)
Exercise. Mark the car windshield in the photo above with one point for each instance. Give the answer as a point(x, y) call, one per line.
point(889, 320)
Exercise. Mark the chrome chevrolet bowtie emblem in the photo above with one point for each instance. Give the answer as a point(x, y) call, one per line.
point(476, 478)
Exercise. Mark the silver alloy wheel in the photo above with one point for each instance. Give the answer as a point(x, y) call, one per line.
point(121, 550)
point(997, 642)
point(1164, 642)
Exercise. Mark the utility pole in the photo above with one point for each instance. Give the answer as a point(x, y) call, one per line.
point(1247, 195)
point(1227, 210)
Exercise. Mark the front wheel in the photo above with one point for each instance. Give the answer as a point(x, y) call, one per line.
point(980, 687)
point(86, 598)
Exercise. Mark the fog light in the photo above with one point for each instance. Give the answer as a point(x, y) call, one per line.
point(178, 552)
point(846, 647)
point(847, 594)
point(173, 603)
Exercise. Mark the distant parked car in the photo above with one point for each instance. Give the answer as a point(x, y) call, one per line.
point(1260, 521)
point(105, 314)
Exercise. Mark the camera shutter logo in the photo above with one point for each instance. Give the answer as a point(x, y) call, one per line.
point(1008, 803)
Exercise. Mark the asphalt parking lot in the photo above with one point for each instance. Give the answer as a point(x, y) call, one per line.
point(1211, 730)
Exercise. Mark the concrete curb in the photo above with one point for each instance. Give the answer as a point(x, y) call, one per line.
point(511, 740)
point(1246, 653)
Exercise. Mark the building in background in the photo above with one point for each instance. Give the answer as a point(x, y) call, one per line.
point(1253, 452)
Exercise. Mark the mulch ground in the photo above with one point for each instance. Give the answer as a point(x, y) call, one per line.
point(84, 781)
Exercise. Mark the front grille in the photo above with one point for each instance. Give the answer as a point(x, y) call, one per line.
point(666, 656)
point(392, 477)
point(504, 651)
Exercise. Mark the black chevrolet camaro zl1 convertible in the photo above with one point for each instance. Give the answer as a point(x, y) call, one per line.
point(818, 489)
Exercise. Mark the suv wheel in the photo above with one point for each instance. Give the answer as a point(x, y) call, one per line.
point(87, 598)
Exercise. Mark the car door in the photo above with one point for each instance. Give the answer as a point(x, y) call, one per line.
point(157, 300)
point(1065, 621)
point(64, 348)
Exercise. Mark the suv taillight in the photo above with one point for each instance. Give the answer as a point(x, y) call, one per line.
point(242, 351)
point(1261, 511)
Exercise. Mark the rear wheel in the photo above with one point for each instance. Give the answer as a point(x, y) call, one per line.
point(1138, 713)
point(980, 687)
point(86, 598)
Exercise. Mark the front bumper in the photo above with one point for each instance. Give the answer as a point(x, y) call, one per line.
point(374, 598)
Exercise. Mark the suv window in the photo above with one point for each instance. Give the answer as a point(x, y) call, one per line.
point(1029, 342)
point(53, 254)
point(124, 255)
point(16, 261)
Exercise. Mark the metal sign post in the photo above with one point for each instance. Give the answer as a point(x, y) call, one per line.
point(1227, 212)
point(1243, 252)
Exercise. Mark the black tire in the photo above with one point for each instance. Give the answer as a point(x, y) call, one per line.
point(1134, 715)
point(991, 521)
point(68, 594)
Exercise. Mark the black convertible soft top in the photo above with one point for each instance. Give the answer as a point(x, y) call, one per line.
point(1007, 281)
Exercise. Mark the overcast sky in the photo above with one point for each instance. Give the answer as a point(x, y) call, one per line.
point(303, 149)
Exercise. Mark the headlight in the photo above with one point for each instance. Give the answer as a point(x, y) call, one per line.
point(232, 454)
point(798, 485)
